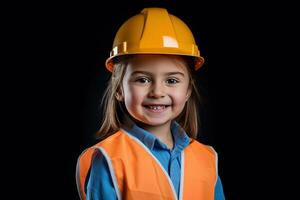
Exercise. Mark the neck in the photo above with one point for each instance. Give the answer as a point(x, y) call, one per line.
point(163, 133)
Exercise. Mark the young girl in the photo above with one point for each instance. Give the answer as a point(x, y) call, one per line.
point(148, 149)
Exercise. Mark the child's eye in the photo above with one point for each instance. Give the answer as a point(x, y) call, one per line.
point(143, 80)
point(172, 81)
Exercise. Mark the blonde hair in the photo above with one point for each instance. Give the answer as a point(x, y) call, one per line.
point(115, 111)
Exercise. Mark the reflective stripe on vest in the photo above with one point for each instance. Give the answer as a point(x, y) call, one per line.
point(137, 174)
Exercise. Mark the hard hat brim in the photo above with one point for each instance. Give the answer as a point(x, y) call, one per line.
point(198, 61)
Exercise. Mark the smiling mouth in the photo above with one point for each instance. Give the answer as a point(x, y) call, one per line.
point(156, 108)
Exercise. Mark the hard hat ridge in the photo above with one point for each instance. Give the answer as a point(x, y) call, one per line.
point(154, 31)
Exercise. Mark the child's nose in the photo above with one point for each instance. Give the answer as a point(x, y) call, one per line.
point(157, 91)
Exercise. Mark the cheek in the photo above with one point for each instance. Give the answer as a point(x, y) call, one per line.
point(179, 98)
point(133, 96)
point(180, 94)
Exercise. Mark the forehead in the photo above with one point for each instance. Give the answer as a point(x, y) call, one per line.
point(157, 64)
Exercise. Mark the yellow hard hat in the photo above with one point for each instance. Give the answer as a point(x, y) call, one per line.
point(154, 31)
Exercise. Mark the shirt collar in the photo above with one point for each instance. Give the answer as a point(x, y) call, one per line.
point(181, 139)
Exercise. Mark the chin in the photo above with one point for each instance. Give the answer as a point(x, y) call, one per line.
point(157, 122)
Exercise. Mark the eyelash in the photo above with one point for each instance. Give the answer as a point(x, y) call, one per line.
point(143, 79)
point(173, 79)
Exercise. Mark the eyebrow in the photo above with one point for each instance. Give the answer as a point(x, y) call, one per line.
point(151, 74)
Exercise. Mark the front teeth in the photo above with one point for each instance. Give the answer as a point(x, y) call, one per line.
point(156, 107)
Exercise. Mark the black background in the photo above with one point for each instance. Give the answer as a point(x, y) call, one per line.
point(58, 76)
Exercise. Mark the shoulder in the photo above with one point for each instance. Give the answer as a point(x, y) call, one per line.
point(95, 149)
point(198, 146)
point(111, 140)
point(112, 146)
point(115, 139)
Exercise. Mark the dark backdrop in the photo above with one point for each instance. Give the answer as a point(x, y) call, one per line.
point(59, 76)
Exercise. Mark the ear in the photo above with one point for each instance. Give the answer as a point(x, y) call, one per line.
point(188, 94)
point(119, 94)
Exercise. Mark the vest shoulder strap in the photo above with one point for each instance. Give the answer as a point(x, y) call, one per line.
point(84, 164)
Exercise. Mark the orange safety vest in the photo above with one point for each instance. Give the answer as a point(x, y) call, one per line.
point(138, 175)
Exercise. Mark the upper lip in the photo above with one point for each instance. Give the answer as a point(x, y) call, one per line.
point(155, 104)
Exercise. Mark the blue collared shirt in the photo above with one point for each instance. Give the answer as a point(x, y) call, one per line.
point(99, 182)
